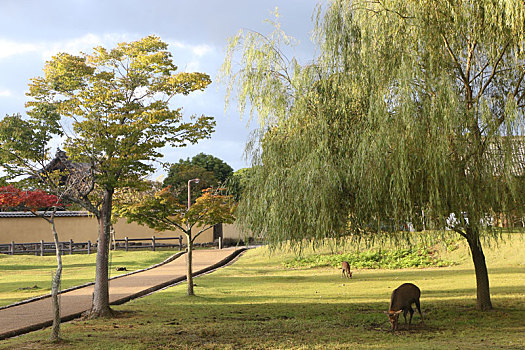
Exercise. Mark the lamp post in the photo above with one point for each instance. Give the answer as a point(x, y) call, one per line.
point(189, 190)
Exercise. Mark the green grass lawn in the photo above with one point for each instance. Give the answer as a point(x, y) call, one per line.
point(28, 276)
point(257, 303)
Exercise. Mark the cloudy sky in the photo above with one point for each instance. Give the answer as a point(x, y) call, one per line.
point(196, 30)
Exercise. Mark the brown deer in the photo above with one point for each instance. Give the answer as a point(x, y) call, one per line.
point(401, 301)
point(346, 269)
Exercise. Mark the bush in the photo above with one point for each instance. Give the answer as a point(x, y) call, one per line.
point(372, 259)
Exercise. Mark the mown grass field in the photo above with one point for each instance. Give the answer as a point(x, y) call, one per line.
point(257, 303)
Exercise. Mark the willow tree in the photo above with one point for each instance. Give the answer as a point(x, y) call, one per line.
point(116, 112)
point(414, 113)
point(298, 156)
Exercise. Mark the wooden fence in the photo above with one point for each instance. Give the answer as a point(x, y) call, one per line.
point(136, 243)
point(69, 247)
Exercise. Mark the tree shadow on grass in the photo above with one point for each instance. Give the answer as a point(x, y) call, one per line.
point(317, 323)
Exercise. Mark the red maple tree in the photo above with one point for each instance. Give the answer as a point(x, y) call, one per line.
point(13, 197)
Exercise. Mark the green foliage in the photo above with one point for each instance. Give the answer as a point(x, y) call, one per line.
point(236, 183)
point(262, 81)
point(383, 126)
point(297, 188)
point(435, 115)
point(158, 209)
point(412, 111)
point(24, 143)
point(210, 170)
point(373, 259)
point(179, 175)
point(119, 104)
point(220, 169)
point(115, 106)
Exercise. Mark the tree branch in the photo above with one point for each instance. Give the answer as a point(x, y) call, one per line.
point(517, 88)
point(494, 68)
point(393, 11)
point(469, 59)
point(456, 61)
point(458, 231)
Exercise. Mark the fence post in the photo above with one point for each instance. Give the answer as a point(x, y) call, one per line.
point(89, 247)
point(180, 243)
point(12, 247)
point(126, 242)
point(153, 243)
point(41, 247)
point(70, 246)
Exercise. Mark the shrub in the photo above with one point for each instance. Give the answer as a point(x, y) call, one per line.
point(372, 259)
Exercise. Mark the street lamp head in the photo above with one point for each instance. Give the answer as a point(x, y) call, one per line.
point(194, 180)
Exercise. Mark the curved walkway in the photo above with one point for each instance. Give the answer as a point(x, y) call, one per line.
point(37, 313)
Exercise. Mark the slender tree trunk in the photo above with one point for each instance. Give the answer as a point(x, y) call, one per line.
point(482, 277)
point(100, 307)
point(189, 262)
point(113, 238)
point(55, 285)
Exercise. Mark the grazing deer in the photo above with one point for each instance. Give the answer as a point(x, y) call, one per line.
point(401, 301)
point(346, 269)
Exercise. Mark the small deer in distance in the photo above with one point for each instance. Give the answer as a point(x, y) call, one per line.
point(346, 269)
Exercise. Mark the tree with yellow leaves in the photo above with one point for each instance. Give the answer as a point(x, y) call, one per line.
point(113, 108)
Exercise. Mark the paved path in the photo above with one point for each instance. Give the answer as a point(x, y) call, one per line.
point(30, 316)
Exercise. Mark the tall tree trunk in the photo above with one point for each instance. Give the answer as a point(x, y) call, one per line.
point(55, 285)
point(189, 262)
point(482, 277)
point(100, 307)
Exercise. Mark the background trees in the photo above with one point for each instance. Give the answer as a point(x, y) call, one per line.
point(220, 169)
point(117, 105)
point(411, 112)
point(179, 175)
point(236, 184)
point(211, 171)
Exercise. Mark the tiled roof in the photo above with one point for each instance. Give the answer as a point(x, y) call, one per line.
point(514, 151)
point(25, 214)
